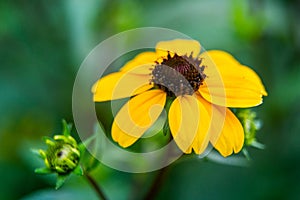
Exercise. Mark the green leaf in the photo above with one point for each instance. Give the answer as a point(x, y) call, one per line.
point(60, 181)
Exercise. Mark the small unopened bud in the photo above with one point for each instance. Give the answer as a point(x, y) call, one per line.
point(62, 156)
point(251, 125)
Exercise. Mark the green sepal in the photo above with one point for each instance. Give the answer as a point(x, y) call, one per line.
point(66, 128)
point(257, 145)
point(67, 139)
point(60, 181)
point(48, 140)
point(78, 171)
point(246, 154)
point(38, 152)
point(43, 171)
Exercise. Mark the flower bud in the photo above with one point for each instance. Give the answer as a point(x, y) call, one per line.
point(62, 155)
point(251, 125)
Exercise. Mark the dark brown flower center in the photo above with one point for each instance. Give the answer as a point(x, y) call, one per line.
point(178, 75)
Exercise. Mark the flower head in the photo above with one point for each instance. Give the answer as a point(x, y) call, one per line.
point(200, 87)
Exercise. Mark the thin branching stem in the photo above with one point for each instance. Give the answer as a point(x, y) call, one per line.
point(157, 183)
point(95, 186)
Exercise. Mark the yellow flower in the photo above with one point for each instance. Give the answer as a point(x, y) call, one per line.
point(201, 87)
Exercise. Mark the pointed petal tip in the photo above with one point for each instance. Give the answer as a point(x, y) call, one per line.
point(264, 93)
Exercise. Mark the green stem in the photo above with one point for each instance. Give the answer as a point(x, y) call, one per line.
point(161, 174)
point(95, 186)
point(157, 183)
point(159, 179)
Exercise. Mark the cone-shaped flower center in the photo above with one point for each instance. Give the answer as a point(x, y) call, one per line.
point(178, 75)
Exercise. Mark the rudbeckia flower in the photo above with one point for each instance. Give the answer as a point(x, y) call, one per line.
point(200, 88)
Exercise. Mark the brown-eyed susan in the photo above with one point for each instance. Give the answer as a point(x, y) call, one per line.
point(198, 86)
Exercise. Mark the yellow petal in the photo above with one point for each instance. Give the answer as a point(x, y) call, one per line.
point(122, 84)
point(226, 132)
point(222, 57)
point(228, 83)
point(225, 60)
point(216, 116)
point(188, 124)
point(231, 138)
point(136, 116)
point(203, 132)
point(179, 46)
point(145, 58)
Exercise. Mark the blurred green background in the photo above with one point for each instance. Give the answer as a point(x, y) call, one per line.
point(44, 42)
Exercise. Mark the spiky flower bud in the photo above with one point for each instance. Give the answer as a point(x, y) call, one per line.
point(251, 125)
point(62, 156)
